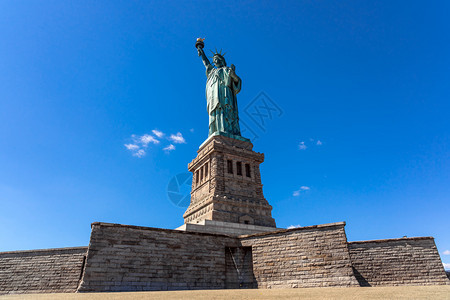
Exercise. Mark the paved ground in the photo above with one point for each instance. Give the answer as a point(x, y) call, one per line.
point(409, 292)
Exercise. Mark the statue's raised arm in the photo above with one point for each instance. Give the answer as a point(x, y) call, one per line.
point(199, 45)
point(205, 59)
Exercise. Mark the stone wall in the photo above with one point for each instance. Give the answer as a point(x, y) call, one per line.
point(131, 258)
point(41, 271)
point(314, 256)
point(405, 261)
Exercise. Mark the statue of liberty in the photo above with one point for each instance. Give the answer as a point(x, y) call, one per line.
point(222, 86)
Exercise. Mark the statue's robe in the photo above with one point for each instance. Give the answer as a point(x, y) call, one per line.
point(221, 91)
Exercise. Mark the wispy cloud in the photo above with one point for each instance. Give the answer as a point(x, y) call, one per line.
point(446, 266)
point(136, 150)
point(191, 130)
point(294, 226)
point(140, 153)
point(177, 138)
point(302, 146)
point(131, 146)
point(147, 138)
point(141, 143)
point(158, 133)
point(446, 252)
point(169, 148)
point(301, 189)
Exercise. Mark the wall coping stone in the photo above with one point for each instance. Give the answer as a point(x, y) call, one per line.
point(281, 231)
point(44, 251)
point(155, 229)
point(394, 240)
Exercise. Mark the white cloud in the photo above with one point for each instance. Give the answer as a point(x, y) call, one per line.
point(302, 188)
point(131, 147)
point(177, 138)
point(446, 252)
point(146, 139)
point(446, 266)
point(191, 130)
point(158, 133)
point(319, 143)
point(294, 226)
point(140, 153)
point(135, 150)
point(169, 148)
point(140, 143)
point(302, 146)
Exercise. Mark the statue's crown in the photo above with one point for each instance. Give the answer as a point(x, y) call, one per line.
point(218, 53)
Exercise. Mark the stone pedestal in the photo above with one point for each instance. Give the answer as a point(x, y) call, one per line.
point(226, 184)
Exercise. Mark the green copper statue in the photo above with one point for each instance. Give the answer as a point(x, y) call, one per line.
point(222, 86)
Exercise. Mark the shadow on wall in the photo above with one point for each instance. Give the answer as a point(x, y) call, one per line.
point(361, 280)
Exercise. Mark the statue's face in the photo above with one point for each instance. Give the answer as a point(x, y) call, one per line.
point(218, 62)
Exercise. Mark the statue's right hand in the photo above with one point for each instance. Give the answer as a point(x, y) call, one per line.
point(200, 51)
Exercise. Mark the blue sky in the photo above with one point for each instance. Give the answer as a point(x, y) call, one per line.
point(362, 133)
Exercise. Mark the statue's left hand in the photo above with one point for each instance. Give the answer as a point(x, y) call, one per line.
point(233, 73)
